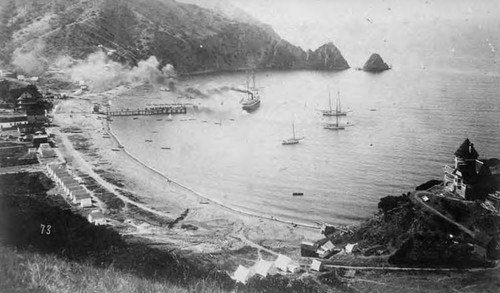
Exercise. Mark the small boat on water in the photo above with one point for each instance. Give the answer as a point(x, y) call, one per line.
point(165, 148)
point(298, 194)
point(135, 118)
point(293, 139)
point(159, 119)
point(115, 150)
point(252, 102)
point(148, 140)
point(169, 118)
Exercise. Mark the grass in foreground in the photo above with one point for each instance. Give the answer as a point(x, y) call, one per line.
point(32, 272)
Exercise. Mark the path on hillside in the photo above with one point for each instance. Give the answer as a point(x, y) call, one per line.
point(418, 200)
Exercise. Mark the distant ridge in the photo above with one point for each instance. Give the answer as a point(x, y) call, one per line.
point(192, 38)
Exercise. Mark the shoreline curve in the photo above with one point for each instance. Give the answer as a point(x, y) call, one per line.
point(219, 203)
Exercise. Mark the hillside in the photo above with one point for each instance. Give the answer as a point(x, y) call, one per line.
point(191, 38)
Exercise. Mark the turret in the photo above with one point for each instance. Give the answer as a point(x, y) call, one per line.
point(466, 154)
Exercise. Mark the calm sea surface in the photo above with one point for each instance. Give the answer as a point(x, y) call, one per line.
point(405, 125)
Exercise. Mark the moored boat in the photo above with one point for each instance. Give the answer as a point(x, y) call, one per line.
point(293, 139)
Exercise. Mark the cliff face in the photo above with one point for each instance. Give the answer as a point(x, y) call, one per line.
point(375, 64)
point(192, 38)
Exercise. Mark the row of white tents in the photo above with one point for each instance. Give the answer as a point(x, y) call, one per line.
point(284, 264)
point(71, 187)
point(264, 268)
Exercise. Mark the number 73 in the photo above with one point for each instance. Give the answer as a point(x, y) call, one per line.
point(45, 228)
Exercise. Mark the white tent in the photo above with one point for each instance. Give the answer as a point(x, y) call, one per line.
point(293, 268)
point(86, 202)
point(265, 268)
point(316, 265)
point(242, 274)
point(282, 262)
point(349, 247)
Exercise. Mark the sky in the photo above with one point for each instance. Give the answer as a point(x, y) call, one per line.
point(393, 27)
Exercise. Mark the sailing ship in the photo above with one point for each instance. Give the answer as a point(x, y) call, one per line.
point(252, 101)
point(293, 139)
point(336, 125)
point(338, 111)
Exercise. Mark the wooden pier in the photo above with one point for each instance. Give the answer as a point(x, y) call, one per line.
point(156, 110)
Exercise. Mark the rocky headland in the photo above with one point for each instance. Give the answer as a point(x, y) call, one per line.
point(375, 64)
point(191, 38)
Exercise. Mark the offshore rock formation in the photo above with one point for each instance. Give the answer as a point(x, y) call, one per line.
point(191, 38)
point(375, 64)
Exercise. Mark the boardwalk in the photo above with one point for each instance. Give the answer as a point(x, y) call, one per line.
point(160, 110)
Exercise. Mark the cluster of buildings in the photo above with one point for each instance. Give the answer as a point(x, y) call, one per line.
point(71, 187)
point(28, 107)
point(75, 192)
point(263, 268)
point(472, 178)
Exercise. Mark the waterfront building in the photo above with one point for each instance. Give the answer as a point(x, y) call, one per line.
point(463, 175)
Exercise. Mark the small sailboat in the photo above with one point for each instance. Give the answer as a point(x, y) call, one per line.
point(293, 139)
point(338, 111)
point(336, 125)
point(169, 118)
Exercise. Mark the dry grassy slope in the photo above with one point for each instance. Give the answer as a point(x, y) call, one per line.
point(189, 37)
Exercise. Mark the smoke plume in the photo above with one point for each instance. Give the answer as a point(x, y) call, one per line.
point(102, 73)
point(30, 58)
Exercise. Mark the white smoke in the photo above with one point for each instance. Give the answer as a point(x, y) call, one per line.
point(102, 73)
point(29, 59)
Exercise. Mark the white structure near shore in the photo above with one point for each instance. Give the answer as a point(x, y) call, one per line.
point(97, 218)
point(77, 193)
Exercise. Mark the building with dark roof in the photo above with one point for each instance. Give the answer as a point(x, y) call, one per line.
point(471, 178)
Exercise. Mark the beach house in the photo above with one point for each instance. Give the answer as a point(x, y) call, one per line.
point(463, 175)
point(472, 178)
point(97, 218)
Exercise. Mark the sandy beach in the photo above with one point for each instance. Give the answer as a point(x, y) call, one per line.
point(218, 228)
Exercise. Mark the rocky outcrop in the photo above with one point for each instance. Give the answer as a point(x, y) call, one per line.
point(375, 64)
point(326, 57)
point(191, 38)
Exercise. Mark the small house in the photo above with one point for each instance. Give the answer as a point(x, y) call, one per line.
point(316, 265)
point(86, 202)
point(78, 195)
point(242, 274)
point(12, 122)
point(264, 268)
point(282, 262)
point(471, 178)
point(97, 218)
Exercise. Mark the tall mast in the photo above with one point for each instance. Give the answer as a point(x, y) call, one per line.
point(340, 109)
point(248, 87)
point(330, 100)
point(253, 78)
point(337, 114)
point(293, 129)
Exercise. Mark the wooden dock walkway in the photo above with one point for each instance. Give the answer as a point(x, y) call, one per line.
point(162, 110)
